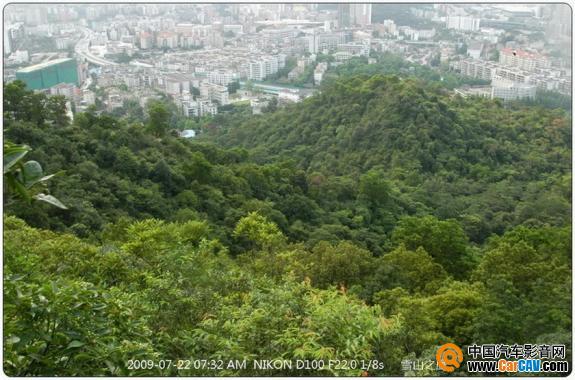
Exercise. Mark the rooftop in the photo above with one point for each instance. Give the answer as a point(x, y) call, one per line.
point(520, 53)
point(43, 65)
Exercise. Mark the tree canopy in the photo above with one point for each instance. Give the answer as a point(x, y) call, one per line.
point(376, 220)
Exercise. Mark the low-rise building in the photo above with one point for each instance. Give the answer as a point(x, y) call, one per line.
point(175, 84)
point(342, 56)
point(214, 92)
point(319, 72)
point(222, 77)
point(187, 133)
point(481, 91)
point(509, 90)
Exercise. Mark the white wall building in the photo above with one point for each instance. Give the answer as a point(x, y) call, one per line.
point(523, 59)
point(222, 77)
point(508, 90)
point(466, 24)
point(265, 66)
point(214, 92)
point(360, 14)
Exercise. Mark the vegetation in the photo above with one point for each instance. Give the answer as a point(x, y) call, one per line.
point(375, 220)
point(548, 99)
point(22, 178)
point(391, 64)
point(402, 14)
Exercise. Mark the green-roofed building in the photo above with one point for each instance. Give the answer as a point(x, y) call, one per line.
point(47, 74)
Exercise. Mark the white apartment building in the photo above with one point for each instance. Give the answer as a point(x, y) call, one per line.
point(175, 84)
point(390, 27)
point(509, 90)
point(487, 70)
point(466, 24)
point(359, 49)
point(341, 56)
point(167, 40)
point(214, 92)
point(319, 72)
point(208, 108)
point(11, 34)
point(320, 42)
point(523, 59)
point(267, 65)
point(474, 50)
point(68, 90)
point(222, 77)
point(146, 41)
point(256, 71)
point(192, 108)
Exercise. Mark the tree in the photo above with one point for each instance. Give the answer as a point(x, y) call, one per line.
point(445, 241)
point(158, 118)
point(259, 232)
point(233, 87)
point(342, 265)
point(374, 189)
point(414, 271)
point(526, 272)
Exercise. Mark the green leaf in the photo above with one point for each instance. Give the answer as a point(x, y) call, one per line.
point(17, 187)
point(46, 178)
point(50, 199)
point(13, 155)
point(75, 344)
point(32, 172)
point(110, 366)
point(13, 339)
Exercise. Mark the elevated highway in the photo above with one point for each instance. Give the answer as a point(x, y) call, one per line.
point(82, 49)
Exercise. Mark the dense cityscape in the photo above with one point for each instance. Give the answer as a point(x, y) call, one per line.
point(205, 57)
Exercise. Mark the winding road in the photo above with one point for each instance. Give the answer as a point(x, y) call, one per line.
point(82, 49)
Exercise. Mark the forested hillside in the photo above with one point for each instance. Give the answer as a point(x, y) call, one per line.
point(373, 221)
point(473, 160)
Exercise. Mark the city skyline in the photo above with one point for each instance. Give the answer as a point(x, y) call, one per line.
point(195, 52)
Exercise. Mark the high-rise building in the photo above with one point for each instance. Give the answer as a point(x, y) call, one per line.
point(360, 14)
point(12, 34)
point(560, 20)
point(354, 15)
point(8, 45)
point(146, 40)
point(343, 15)
point(48, 74)
point(36, 16)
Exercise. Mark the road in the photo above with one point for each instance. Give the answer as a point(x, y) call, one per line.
point(82, 48)
point(272, 89)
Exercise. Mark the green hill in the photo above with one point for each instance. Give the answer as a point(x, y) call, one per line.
point(373, 221)
point(475, 160)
